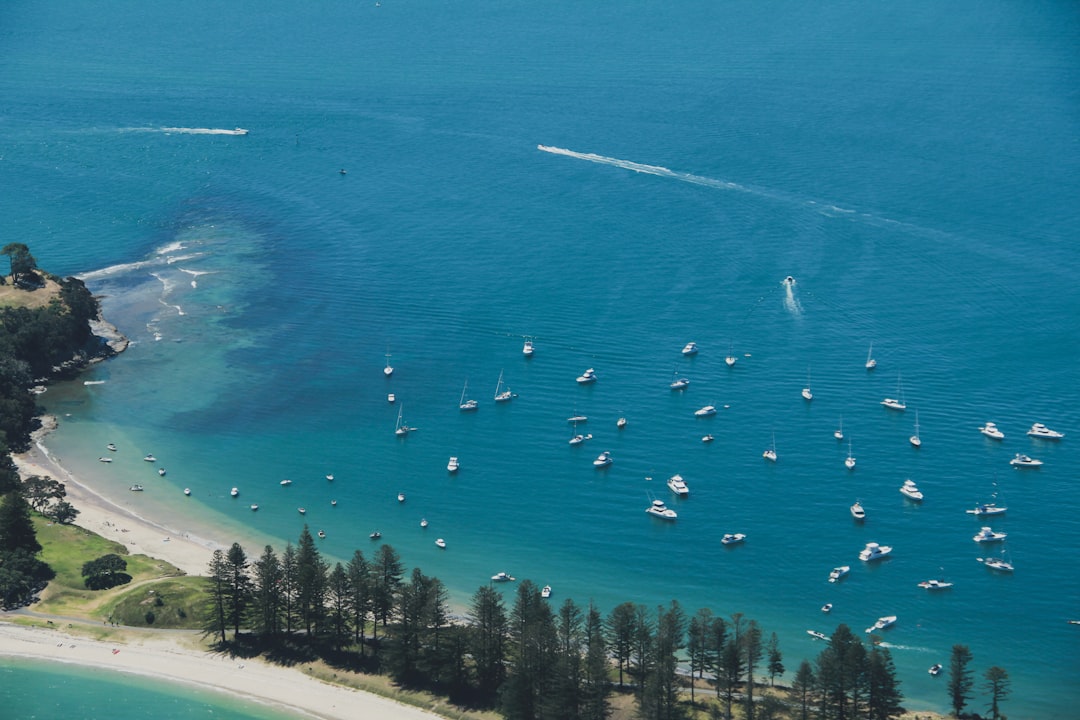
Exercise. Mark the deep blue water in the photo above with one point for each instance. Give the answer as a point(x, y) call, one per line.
point(913, 167)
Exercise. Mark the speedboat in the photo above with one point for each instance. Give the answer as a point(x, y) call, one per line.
point(690, 348)
point(935, 585)
point(330, 478)
point(453, 464)
point(707, 438)
point(620, 423)
point(391, 398)
point(986, 535)
point(161, 472)
point(104, 459)
point(858, 512)
point(935, 669)
point(911, 491)
point(575, 419)
point(322, 533)
point(527, 348)
point(254, 507)
point(678, 485)
point(732, 538)
point(589, 376)
point(893, 404)
point(602, 460)
point(658, 509)
point(423, 522)
point(187, 491)
point(999, 563)
point(545, 592)
point(679, 383)
point(333, 503)
point(789, 281)
point(807, 395)
point(286, 483)
point(111, 446)
point(990, 430)
point(838, 573)
point(150, 458)
point(375, 535)
point(873, 551)
point(705, 411)
point(818, 635)
point(578, 439)
point(136, 488)
point(401, 497)
point(826, 608)
point(501, 577)
point(234, 492)
point(440, 543)
point(882, 623)
point(986, 509)
point(1038, 430)
point(1025, 461)
point(302, 511)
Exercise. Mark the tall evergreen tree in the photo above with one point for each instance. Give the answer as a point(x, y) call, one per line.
point(883, 689)
point(752, 655)
point(359, 572)
point(595, 704)
point(732, 661)
point(698, 637)
point(997, 685)
point(290, 583)
point(408, 630)
point(267, 593)
point(16, 526)
point(487, 640)
point(802, 689)
point(339, 600)
point(619, 629)
point(565, 699)
point(9, 474)
point(311, 581)
point(960, 678)
point(660, 696)
point(641, 656)
point(841, 675)
point(217, 616)
point(387, 571)
point(239, 588)
point(774, 659)
point(717, 642)
point(532, 652)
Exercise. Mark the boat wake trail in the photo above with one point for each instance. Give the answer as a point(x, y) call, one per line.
point(188, 131)
point(791, 303)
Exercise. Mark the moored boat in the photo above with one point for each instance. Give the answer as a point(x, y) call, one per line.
point(990, 430)
point(1025, 461)
point(440, 543)
point(935, 669)
point(1038, 430)
point(658, 509)
point(874, 551)
point(453, 464)
point(911, 491)
point(602, 460)
point(502, 577)
point(882, 623)
point(678, 485)
point(705, 411)
point(988, 535)
point(818, 635)
point(838, 573)
point(935, 585)
point(690, 348)
point(589, 376)
point(858, 512)
point(733, 538)
point(545, 592)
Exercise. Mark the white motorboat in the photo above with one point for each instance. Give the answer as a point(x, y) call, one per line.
point(1025, 461)
point(789, 281)
point(527, 348)
point(1038, 430)
point(690, 348)
point(705, 411)
point(986, 509)
point(733, 538)
point(375, 535)
point(911, 491)
point(620, 423)
point(453, 464)
point(105, 459)
point(882, 623)
point(302, 511)
point(579, 438)
point(589, 376)
point(935, 585)
point(150, 458)
point(858, 512)
point(915, 440)
point(423, 522)
point(658, 509)
point(678, 485)
point(602, 460)
point(161, 472)
point(678, 383)
point(896, 403)
point(871, 363)
point(818, 635)
point(391, 398)
point(1000, 564)
point(467, 405)
point(987, 535)
point(545, 592)
point(502, 577)
point(136, 488)
point(838, 573)
point(935, 669)
point(333, 503)
point(401, 497)
point(388, 370)
point(575, 419)
point(826, 608)
point(990, 430)
point(849, 461)
point(285, 483)
point(111, 447)
point(502, 394)
point(322, 534)
point(440, 543)
point(707, 438)
point(187, 491)
point(254, 507)
point(873, 551)
point(234, 492)
point(807, 395)
point(329, 478)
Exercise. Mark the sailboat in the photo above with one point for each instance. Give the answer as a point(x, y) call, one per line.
point(730, 359)
point(401, 429)
point(678, 383)
point(896, 403)
point(838, 433)
point(501, 394)
point(464, 404)
point(388, 371)
point(914, 439)
point(1000, 563)
point(871, 363)
point(770, 454)
point(806, 390)
point(850, 461)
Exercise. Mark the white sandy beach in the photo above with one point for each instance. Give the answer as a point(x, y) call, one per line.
point(163, 656)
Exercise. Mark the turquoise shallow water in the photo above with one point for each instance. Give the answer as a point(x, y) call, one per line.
point(913, 169)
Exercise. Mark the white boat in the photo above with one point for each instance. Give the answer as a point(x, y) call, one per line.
point(789, 281)
point(187, 491)
point(1025, 461)
point(464, 404)
point(375, 535)
point(333, 503)
point(733, 538)
point(911, 491)
point(322, 534)
point(575, 419)
point(136, 488)
point(453, 464)
point(401, 497)
point(690, 348)
point(873, 551)
point(1038, 430)
point(987, 535)
point(678, 383)
point(502, 394)
point(391, 398)
point(678, 485)
point(818, 635)
point(935, 585)
point(849, 461)
point(502, 577)
point(871, 363)
point(858, 512)
point(838, 573)
point(838, 433)
point(579, 438)
point(150, 458)
point(658, 509)
point(602, 460)
point(105, 459)
point(254, 507)
point(440, 543)
point(285, 483)
point(329, 478)
point(990, 430)
point(620, 423)
point(234, 492)
point(730, 358)
point(896, 403)
point(388, 370)
point(545, 592)
point(770, 454)
point(589, 376)
point(111, 447)
point(935, 669)
point(705, 411)
point(161, 472)
point(986, 509)
point(707, 438)
point(1000, 564)
point(423, 522)
point(401, 429)
point(302, 511)
point(527, 348)
point(915, 440)
point(882, 623)
point(826, 608)
point(807, 395)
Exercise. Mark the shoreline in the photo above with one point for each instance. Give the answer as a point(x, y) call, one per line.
point(158, 656)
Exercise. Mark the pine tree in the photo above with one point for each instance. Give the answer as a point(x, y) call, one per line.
point(568, 683)
point(697, 645)
point(532, 650)
point(487, 640)
point(997, 685)
point(960, 678)
point(359, 572)
point(619, 629)
point(387, 571)
point(841, 675)
point(752, 655)
point(267, 589)
point(238, 592)
point(660, 694)
point(16, 527)
point(290, 571)
point(883, 689)
point(802, 689)
point(717, 642)
point(775, 659)
point(217, 606)
point(595, 704)
point(310, 582)
point(339, 597)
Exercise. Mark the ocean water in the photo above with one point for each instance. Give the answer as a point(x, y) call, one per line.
point(613, 182)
